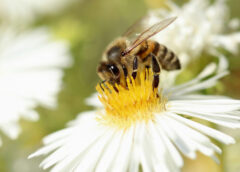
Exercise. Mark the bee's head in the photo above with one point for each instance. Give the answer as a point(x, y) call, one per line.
point(109, 72)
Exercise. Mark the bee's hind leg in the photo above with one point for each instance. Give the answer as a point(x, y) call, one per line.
point(135, 67)
point(156, 71)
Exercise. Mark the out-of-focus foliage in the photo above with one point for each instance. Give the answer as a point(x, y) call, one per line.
point(89, 25)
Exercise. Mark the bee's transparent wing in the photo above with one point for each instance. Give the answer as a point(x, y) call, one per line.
point(134, 30)
point(151, 31)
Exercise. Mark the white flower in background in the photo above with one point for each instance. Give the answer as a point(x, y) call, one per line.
point(25, 11)
point(200, 27)
point(137, 126)
point(30, 74)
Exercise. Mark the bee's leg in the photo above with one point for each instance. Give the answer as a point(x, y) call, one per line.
point(135, 67)
point(116, 82)
point(113, 83)
point(115, 88)
point(125, 71)
point(102, 83)
point(156, 71)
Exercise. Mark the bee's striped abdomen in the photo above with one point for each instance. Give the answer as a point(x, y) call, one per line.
point(167, 59)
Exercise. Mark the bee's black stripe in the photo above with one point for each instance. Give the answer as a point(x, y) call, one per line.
point(163, 52)
point(169, 57)
point(156, 48)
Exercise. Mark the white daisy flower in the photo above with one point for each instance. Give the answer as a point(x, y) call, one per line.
point(25, 11)
point(30, 74)
point(201, 27)
point(140, 126)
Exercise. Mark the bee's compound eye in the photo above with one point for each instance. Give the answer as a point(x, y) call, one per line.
point(114, 70)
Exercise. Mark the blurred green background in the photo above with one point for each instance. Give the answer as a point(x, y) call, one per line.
point(89, 25)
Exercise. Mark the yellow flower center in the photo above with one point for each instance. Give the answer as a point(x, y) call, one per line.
point(139, 102)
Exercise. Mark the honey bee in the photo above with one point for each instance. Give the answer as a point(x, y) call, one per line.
point(126, 57)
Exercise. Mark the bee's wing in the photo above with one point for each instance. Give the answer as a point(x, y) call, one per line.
point(146, 34)
point(136, 28)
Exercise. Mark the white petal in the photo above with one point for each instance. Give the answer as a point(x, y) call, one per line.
point(199, 86)
point(230, 42)
point(206, 130)
point(162, 160)
point(173, 152)
point(78, 149)
point(202, 143)
point(94, 101)
point(110, 153)
point(234, 23)
point(57, 135)
point(223, 63)
point(198, 97)
point(177, 137)
point(45, 150)
point(207, 106)
point(121, 161)
point(31, 115)
point(90, 158)
point(70, 139)
point(11, 129)
point(24, 12)
point(30, 74)
point(136, 148)
point(207, 71)
point(61, 153)
point(145, 151)
point(216, 111)
point(73, 154)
